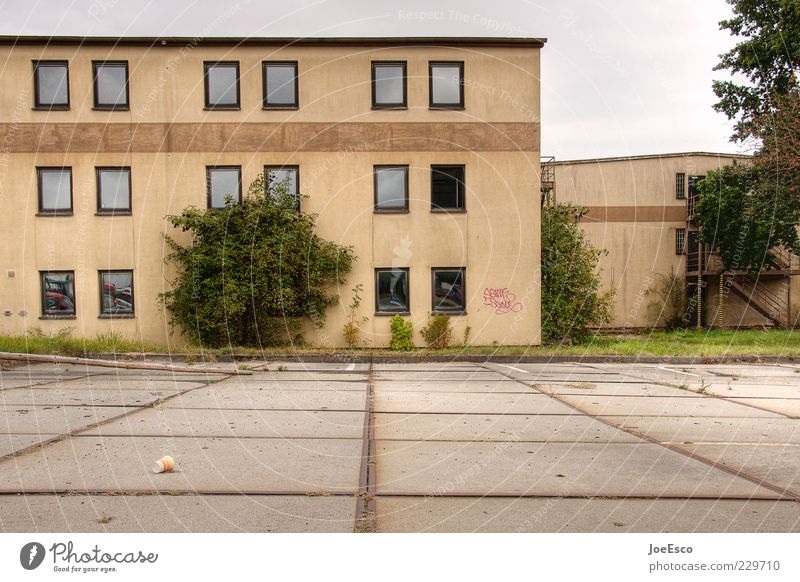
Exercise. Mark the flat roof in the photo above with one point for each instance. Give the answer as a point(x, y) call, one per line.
point(652, 156)
point(495, 41)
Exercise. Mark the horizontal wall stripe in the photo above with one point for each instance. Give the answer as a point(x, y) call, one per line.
point(268, 137)
point(636, 214)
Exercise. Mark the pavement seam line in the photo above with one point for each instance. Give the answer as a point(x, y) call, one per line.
point(675, 449)
point(365, 519)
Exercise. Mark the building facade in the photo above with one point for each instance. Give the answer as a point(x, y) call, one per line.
point(640, 210)
point(423, 154)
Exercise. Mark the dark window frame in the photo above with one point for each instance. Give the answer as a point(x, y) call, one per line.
point(680, 186)
point(434, 309)
point(389, 209)
point(460, 104)
point(209, 170)
point(264, 103)
point(295, 167)
point(225, 106)
point(96, 65)
point(680, 241)
point(404, 103)
point(113, 211)
point(462, 185)
point(43, 300)
point(378, 311)
point(108, 315)
point(40, 192)
point(38, 105)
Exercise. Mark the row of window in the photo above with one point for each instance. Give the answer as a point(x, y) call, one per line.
point(221, 85)
point(224, 185)
point(116, 292)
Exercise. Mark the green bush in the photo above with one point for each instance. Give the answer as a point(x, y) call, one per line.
point(571, 298)
point(669, 309)
point(437, 332)
point(253, 271)
point(402, 334)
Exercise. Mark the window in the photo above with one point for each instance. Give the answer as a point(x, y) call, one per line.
point(55, 190)
point(391, 291)
point(110, 85)
point(222, 85)
point(388, 85)
point(113, 190)
point(224, 185)
point(447, 85)
point(58, 294)
point(51, 84)
point(279, 177)
point(280, 85)
point(449, 290)
point(680, 240)
point(680, 186)
point(116, 293)
point(391, 188)
point(447, 188)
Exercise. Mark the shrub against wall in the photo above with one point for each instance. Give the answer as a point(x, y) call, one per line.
point(571, 298)
point(253, 271)
point(670, 305)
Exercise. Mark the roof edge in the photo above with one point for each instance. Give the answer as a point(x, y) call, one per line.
point(652, 156)
point(302, 41)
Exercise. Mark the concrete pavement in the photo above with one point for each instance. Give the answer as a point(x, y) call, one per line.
point(402, 447)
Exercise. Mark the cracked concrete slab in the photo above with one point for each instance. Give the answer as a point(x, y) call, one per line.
point(58, 395)
point(270, 399)
point(557, 469)
point(565, 515)
point(176, 514)
point(236, 424)
point(11, 443)
point(496, 428)
point(662, 406)
point(220, 464)
point(440, 402)
point(55, 419)
point(712, 430)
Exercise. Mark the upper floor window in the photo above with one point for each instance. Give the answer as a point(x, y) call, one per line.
point(224, 185)
point(280, 85)
point(55, 190)
point(391, 188)
point(113, 190)
point(222, 85)
point(388, 84)
point(58, 293)
point(447, 188)
point(447, 85)
point(283, 179)
point(110, 84)
point(51, 84)
point(680, 186)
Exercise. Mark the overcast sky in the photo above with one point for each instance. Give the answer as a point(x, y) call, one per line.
point(621, 77)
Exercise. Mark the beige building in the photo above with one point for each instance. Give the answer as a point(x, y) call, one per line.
point(639, 210)
point(423, 154)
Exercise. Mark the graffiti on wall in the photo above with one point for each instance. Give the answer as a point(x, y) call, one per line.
point(501, 300)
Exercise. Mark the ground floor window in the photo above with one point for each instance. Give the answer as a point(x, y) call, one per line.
point(391, 291)
point(116, 293)
point(448, 290)
point(58, 293)
point(680, 240)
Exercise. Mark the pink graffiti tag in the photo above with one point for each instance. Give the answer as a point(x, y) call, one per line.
point(501, 300)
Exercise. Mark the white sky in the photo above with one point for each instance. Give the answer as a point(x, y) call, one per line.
point(620, 77)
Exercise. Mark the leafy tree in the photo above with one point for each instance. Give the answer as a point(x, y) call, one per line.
point(571, 299)
point(253, 270)
point(768, 57)
point(745, 215)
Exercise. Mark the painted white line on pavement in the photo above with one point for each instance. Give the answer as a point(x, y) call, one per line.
point(351, 367)
point(677, 371)
point(513, 368)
